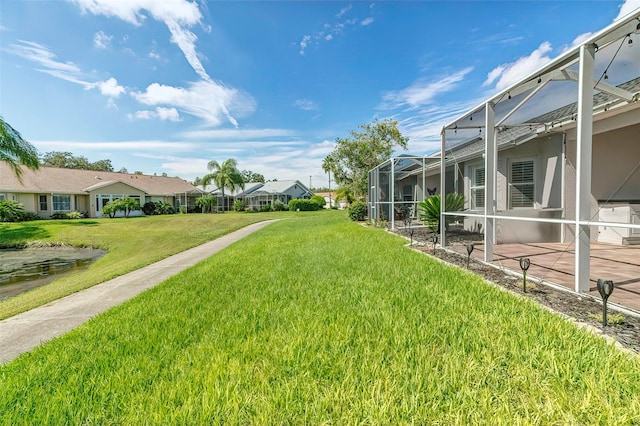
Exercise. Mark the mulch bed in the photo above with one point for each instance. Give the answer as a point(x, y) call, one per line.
point(585, 310)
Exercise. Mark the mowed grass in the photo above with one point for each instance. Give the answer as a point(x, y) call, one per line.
point(317, 320)
point(131, 244)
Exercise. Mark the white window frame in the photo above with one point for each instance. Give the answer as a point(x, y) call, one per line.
point(56, 204)
point(531, 183)
point(474, 187)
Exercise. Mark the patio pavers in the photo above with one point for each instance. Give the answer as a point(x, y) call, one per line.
point(554, 263)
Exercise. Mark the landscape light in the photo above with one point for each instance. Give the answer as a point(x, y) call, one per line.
point(524, 265)
point(469, 250)
point(605, 288)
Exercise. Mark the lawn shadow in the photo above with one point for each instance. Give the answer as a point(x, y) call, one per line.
point(10, 237)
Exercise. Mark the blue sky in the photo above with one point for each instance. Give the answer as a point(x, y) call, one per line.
point(166, 86)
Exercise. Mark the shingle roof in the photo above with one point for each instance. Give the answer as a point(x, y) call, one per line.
point(71, 181)
point(279, 186)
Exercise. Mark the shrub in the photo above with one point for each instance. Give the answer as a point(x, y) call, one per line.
point(109, 209)
point(302, 205)
point(239, 206)
point(429, 210)
point(75, 215)
point(358, 211)
point(279, 206)
point(12, 211)
point(266, 208)
point(319, 200)
point(158, 208)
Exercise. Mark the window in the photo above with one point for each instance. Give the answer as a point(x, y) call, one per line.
point(522, 184)
point(3, 196)
point(61, 203)
point(42, 200)
point(477, 187)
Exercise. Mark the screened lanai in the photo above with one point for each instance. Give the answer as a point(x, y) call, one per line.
point(397, 185)
point(554, 159)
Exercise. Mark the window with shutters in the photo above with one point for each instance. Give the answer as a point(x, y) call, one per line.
point(522, 184)
point(477, 175)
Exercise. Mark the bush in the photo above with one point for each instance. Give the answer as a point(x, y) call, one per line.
point(302, 205)
point(319, 200)
point(67, 215)
point(157, 208)
point(239, 206)
point(266, 208)
point(279, 206)
point(358, 211)
point(12, 211)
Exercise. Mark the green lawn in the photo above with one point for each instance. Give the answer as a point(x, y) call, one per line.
point(317, 320)
point(131, 243)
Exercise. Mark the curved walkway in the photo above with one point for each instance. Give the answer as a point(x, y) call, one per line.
point(25, 331)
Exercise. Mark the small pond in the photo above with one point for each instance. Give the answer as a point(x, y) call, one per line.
point(23, 269)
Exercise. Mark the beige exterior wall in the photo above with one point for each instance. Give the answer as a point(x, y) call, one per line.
point(614, 176)
point(99, 197)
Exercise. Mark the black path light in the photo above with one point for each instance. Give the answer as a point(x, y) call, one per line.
point(605, 288)
point(469, 251)
point(524, 265)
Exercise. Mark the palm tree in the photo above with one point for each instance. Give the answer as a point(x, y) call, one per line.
point(225, 175)
point(15, 150)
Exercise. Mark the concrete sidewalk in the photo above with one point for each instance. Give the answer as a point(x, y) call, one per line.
point(25, 331)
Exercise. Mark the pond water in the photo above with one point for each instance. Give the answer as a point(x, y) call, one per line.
point(28, 268)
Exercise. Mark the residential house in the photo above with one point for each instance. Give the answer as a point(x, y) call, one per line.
point(51, 190)
point(554, 158)
point(272, 191)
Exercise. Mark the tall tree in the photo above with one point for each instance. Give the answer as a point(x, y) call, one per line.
point(67, 160)
point(225, 176)
point(353, 157)
point(16, 151)
point(249, 176)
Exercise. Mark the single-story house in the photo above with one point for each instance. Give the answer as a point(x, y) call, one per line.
point(50, 190)
point(272, 191)
point(257, 194)
point(553, 158)
point(225, 203)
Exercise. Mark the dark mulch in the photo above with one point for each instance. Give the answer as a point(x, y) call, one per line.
point(583, 309)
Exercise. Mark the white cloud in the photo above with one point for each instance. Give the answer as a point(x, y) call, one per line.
point(343, 11)
point(305, 104)
point(423, 92)
point(207, 100)
point(236, 134)
point(67, 71)
point(330, 30)
point(366, 21)
point(510, 73)
point(177, 15)
point(133, 11)
point(304, 43)
point(170, 114)
point(627, 7)
point(101, 40)
point(151, 145)
point(110, 88)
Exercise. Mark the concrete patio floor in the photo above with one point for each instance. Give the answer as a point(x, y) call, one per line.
point(554, 263)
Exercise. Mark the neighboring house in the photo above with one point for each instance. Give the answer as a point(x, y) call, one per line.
point(226, 203)
point(50, 190)
point(329, 198)
point(257, 194)
point(270, 192)
point(534, 164)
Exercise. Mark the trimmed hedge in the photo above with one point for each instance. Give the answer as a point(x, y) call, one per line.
point(303, 205)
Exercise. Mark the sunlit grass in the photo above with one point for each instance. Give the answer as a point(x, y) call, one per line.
point(131, 243)
point(317, 320)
